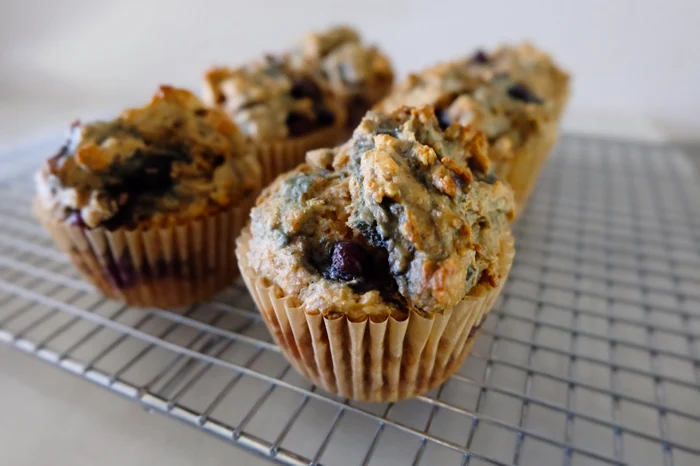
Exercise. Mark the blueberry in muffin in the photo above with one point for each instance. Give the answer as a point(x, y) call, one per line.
point(372, 262)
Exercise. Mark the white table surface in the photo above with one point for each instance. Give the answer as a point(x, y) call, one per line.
point(51, 417)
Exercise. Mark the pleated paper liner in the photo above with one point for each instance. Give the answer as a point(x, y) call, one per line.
point(383, 360)
point(157, 267)
point(277, 157)
point(522, 170)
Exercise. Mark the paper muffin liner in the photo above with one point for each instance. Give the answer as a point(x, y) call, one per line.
point(277, 157)
point(156, 267)
point(374, 359)
point(522, 170)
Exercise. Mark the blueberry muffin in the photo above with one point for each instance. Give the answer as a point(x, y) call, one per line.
point(374, 263)
point(520, 125)
point(282, 112)
point(147, 204)
point(360, 74)
point(527, 64)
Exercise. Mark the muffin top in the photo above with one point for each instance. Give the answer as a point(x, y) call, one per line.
point(269, 99)
point(404, 216)
point(352, 68)
point(507, 111)
point(161, 164)
point(527, 64)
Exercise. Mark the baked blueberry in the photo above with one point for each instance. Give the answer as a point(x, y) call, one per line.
point(522, 92)
point(350, 261)
point(75, 219)
point(324, 115)
point(442, 119)
point(306, 88)
point(491, 178)
point(299, 124)
point(480, 57)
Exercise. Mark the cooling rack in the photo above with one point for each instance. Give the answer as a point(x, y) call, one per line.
point(591, 355)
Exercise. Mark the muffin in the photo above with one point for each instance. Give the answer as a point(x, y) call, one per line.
point(359, 74)
point(527, 64)
point(521, 126)
point(147, 205)
point(374, 263)
point(282, 112)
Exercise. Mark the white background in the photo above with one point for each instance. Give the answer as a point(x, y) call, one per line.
point(80, 58)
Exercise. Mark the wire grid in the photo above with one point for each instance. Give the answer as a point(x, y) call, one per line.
point(591, 355)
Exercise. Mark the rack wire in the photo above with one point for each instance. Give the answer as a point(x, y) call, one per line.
point(591, 355)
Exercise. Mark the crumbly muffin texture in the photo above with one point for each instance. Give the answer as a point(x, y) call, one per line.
point(404, 216)
point(268, 99)
point(506, 110)
point(172, 160)
point(358, 73)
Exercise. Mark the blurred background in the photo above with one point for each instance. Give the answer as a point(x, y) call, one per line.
point(59, 60)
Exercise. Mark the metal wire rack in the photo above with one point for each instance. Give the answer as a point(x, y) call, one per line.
point(591, 356)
